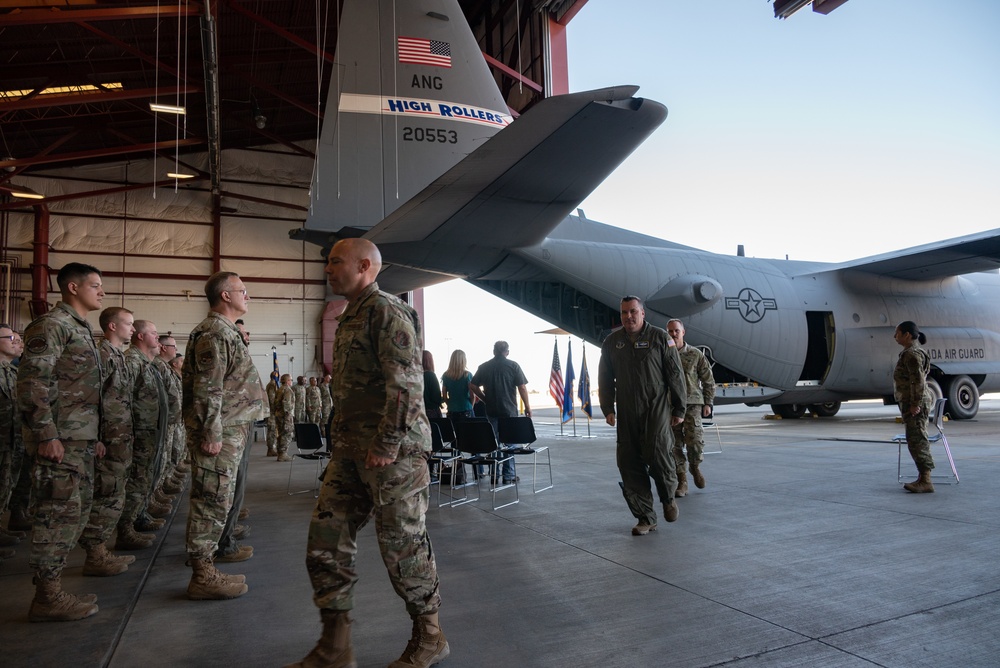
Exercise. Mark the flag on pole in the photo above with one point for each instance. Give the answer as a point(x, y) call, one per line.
point(567, 402)
point(555, 378)
point(274, 354)
point(584, 391)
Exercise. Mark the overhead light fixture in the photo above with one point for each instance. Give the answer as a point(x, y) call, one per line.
point(179, 175)
point(167, 108)
point(259, 119)
point(23, 192)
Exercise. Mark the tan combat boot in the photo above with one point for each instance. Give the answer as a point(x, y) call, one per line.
point(184, 467)
point(283, 456)
point(172, 486)
point(427, 646)
point(698, 476)
point(334, 647)
point(52, 604)
point(921, 485)
point(671, 511)
point(162, 497)
point(682, 483)
point(130, 539)
point(102, 563)
point(208, 584)
point(157, 509)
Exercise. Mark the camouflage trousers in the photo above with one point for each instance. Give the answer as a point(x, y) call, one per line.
point(142, 473)
point(61, 495)
point(691, 435)
point(286, 433)
point(643, 454)
point(10, 472)
point(915, 427)
point(396, 496)
point(173, 452)
point(213, 485)
point(110, 472)
point(272, 434)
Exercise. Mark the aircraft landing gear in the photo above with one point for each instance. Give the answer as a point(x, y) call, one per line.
point(788, 411)
point(963, 398)
point(828, 409)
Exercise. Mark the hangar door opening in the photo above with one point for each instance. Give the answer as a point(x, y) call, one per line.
point(820, 351)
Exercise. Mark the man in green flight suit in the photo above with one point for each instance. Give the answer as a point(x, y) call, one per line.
point(642, 392)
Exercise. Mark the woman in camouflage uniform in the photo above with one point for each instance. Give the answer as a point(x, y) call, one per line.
point(910, 380)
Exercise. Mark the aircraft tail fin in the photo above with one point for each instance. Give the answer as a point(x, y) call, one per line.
point(411, 97)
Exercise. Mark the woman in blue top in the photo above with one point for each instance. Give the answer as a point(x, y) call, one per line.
point(455, 387)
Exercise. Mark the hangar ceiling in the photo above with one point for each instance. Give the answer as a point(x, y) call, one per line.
point(79, 76)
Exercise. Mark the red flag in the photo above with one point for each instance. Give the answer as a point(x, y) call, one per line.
point(555, 378)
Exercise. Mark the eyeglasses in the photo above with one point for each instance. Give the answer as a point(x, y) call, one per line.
point(244, 291)
point(167, 345)
point(9, 337)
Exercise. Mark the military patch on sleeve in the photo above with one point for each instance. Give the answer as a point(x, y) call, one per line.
point(401, 340)
point(671, 343)
point(206, 359)
point(37, 345)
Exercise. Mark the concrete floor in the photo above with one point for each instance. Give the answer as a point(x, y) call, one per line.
point(802, 551)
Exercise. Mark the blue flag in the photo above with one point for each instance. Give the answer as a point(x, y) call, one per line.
point(584, 391)
point(567, 403)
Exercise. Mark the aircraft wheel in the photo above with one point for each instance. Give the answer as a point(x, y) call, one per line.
point(789, 411)
point(828, 409)
point(963, 398)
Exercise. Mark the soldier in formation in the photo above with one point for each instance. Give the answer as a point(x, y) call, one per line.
point(285, 417)
point(223, 397)
point(59, 396)
point(300, 399)
point(314, 403)
point(272, 426)
point(11, 443)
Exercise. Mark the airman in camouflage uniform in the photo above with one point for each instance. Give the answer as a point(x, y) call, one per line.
point(59, 395)
point(325, 399)
point(300, 399)
point(272, 424)
point(380, 436)
point(314, 403)
point(11, 443)
point(149, 425)
point(284, 410)
point(111, 470)
point(700, 395)
point(914, 399)
point(223, 397)
point(171, 480)
point(642, 392)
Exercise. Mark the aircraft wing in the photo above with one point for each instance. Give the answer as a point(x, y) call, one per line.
point(520, 184)
point(953, 257)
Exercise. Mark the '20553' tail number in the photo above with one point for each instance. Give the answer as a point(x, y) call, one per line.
point(429, 135)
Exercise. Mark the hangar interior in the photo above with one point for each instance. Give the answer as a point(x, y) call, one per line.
point(86, 164)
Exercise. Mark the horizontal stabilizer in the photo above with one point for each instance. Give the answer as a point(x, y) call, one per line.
point(953, 257)
point(520, 184)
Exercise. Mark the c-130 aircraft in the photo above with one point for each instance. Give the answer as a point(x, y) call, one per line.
point(420, 154)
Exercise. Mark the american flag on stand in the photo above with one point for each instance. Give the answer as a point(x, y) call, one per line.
point(555, 378)
point(420, 51)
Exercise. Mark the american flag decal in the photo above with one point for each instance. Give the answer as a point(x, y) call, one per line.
point(420, 51)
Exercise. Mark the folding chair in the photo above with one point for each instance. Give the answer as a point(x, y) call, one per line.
point(520, 431)
point(311, 447)
point(936, 418)
point(446, 459)
point(477, 438)
point(707, 422)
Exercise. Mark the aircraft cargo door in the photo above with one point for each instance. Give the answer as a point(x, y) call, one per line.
point(821, 342)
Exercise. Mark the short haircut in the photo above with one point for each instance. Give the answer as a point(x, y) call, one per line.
point(678, 321)
point(633, 298)
point(111, 314)
point(285, 377)
point(4, 325)
point(216, 285)
point(74, 272)
point(500, 347)
point(164, 337)
point(142, 326)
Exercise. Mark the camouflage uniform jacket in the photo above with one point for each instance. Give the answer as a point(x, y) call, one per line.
point(59, 379)
point(221, 385)
point(149, 396)
point(272, 392)
point(10, 417)
point(172, 384)
point(314, 399)
point(697, 375)
point(910, 376)
point(378, 378)
point(300, 398)
point(284, 404)
point(116, 420)
point(326, 401)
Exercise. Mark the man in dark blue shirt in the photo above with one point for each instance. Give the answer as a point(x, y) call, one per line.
point(495, 383)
